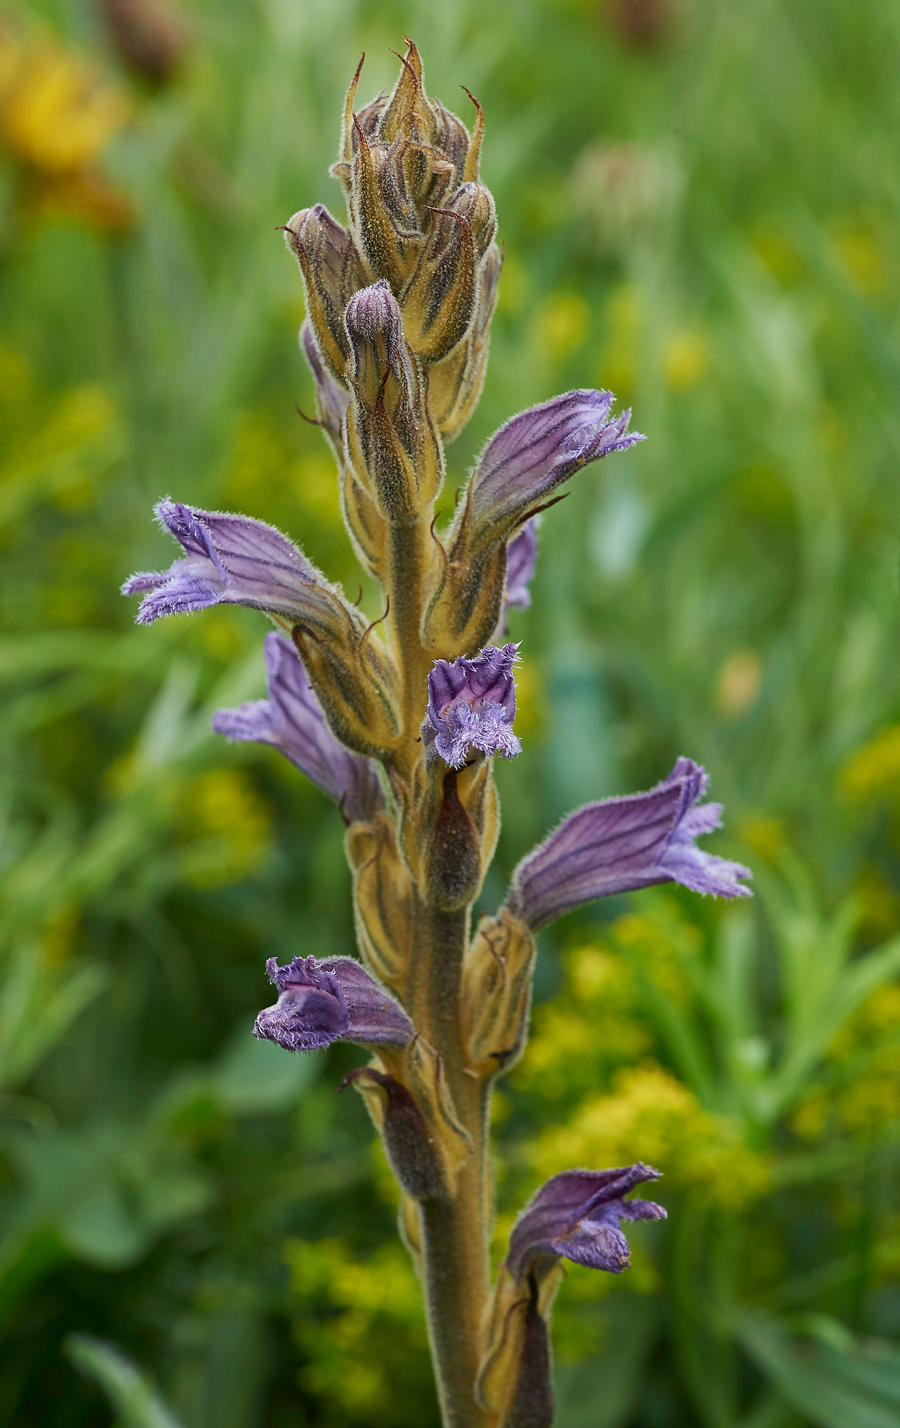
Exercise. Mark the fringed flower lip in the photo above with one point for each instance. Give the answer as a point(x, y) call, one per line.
point(472, 705)
point(334, 1000)
point(232, 560)
point(576, 1216)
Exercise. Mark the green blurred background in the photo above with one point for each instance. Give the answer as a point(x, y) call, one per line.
point(700, 203)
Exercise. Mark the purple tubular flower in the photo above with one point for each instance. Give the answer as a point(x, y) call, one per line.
point(576, 1215)
point(521, 556)
point(622, 844)
point(536, 450)
point(291, 719)
point(231, 560)
point(333, 399)
point(472, 704)
point(322, 1002)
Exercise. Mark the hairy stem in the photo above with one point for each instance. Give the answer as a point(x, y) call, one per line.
point(454, 1231)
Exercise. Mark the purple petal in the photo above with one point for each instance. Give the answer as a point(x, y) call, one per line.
point(472, 704)
point(291, 719)
point(231, 559)
point(576, 1214)
point(536, 450)
point(621, 844)
point(521, 556)
point(322, 1002)
point(332, 398)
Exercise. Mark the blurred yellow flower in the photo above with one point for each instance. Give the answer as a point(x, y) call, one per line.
point(563, 324)
point(531, 700)
point(685, 360)
point(860, 255)
point(57, 114)
point(739, 682)
point(619, 363)
point(763, 834)
point(874, 769)
point(651, 1116)
point(230, 828)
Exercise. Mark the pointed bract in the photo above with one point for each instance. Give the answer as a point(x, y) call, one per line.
point(621, 844)
point(322, 1002)
point(291, 719)
point(576, 1215)
point(471, 705)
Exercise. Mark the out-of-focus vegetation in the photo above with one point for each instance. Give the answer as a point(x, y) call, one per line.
point(701, 210)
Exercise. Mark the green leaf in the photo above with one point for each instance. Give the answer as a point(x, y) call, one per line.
point(856, 1388)
point(131, 1393)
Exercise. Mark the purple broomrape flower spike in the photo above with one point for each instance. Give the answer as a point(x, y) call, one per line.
point(231, 560)
point(538, 449)
point(291, 719)
point(471, 705)
point(622, 844)
point(576, 1215)
point(322, 1002)
point(521, 556)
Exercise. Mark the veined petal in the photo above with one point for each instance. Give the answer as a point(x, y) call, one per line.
point(291, 719)
point(576, 1215)
point(231, 559)
point(322, 1002)
point(622, 844)
point(538, 449)
point(521, 556)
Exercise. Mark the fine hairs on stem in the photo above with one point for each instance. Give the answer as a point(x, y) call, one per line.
point(400, 721)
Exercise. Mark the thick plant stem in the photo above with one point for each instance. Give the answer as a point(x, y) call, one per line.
point(454, 1231)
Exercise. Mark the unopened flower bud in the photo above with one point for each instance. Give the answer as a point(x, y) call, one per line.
point(410, 1147)
point(391, 441)
point(332, 272)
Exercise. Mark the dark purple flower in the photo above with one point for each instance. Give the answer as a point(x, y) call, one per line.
point(576, 1215)
point(291, 719)
point(322, 1002)
point(521, 555)
point(536, 450)
point(231, 560)
point(472, 704)
point(622, 844)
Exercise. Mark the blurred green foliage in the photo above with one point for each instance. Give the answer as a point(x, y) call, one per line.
point(700, 208)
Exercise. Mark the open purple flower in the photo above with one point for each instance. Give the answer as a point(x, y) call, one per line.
point(521, 556)
point(232, 560)
point(621, 844)
point(472, 704)
point(291, 719)
point(537, 450)
point(576, 1215)
point(322, 1002)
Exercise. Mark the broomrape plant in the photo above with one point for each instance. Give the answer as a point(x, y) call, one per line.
point(400, 721)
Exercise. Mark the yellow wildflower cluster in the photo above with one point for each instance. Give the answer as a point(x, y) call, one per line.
point(867, 1099)
point(57, 114)
point(230, 827)
point(651, 1116)
point(874, 770)
point(360, 1328)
